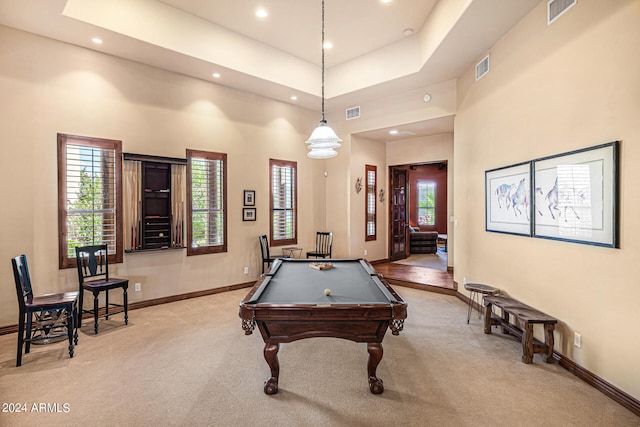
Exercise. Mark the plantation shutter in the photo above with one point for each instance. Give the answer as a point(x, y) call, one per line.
point(283, 202)
point(371, 203)
point(206, 190)
point(89, 196)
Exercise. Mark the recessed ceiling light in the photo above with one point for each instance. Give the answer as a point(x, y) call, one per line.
point(407, 31)
point(386, 1)
point(426, 98)
point(393, 132)
point(216, 75)
point(294, 98)
point(96, 40)
point(261, 13)
point(327, 45)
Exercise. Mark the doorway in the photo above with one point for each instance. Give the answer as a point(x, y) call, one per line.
point(418, 203)
point(397, 214)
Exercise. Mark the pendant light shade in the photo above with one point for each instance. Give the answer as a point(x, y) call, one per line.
point(322, 153)
point(323, 139)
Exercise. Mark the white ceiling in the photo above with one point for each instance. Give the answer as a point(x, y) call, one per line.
point(355, 27)
point(279, 56)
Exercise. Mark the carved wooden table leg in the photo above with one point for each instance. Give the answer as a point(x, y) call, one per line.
point(375, 356)
point(548, 340)
point(271, 356)
point(527, 343)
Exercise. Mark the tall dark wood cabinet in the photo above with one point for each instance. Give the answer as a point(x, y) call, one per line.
point(153, 202)
point(156, 205)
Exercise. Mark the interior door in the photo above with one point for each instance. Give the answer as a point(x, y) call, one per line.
point(398, 206)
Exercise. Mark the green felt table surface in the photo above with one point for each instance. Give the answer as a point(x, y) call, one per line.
point(350, 282)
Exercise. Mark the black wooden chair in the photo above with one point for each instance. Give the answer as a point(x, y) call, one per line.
point(46, 317)
point(324, 241)
point(93, 264)
point(264, 248)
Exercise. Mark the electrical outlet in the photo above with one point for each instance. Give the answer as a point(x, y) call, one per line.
point(577, 339)
point(138, 287)
point(365, 252)
point(246, 270)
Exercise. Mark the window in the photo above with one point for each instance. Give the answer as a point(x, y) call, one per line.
point(370, 172)
point(426, 203)
point(206, 202)
point(284, 202)
point(89, 196)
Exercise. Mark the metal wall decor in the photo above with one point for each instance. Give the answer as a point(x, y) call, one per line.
point(358, 185)
point(381, 196)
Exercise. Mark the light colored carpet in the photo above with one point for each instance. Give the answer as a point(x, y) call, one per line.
point(189, 363)
point(437, 261)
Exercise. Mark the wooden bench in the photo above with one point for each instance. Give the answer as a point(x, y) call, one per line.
point(527, 316)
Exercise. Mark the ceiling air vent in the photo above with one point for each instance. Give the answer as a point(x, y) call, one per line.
point(482, 67)
point(353, 113)
point(403, 133)
point(555, 9)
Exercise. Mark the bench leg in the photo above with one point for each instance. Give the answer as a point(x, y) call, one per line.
point(527, 343)
point(548, 340)
point(487, 318)
point(505, 320)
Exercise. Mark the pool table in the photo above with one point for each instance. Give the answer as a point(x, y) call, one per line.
point(290, 303)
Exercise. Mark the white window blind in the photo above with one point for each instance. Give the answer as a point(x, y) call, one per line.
point(283, 202)
point(426, 203)
point(89, 194)
point(371, 202)
point(207, 202)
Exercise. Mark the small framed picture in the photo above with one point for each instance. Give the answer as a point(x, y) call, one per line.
point(249, 197)
point(248, 214)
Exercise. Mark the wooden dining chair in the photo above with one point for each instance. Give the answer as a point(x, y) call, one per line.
point(264, 249)
point(42, 318)
point(324, 241)
point(93, 264)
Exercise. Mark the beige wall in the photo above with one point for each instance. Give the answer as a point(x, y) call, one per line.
point(48, 87)
point(550, 90)
point(367, 152)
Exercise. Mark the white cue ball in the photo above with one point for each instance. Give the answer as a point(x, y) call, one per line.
point(327, 291)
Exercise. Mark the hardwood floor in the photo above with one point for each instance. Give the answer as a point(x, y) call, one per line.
point(418, 277)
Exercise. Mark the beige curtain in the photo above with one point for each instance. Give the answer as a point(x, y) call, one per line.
point(132, 204)
point(178, 189)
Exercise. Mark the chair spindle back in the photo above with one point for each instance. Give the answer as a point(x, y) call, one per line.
point(92, 261)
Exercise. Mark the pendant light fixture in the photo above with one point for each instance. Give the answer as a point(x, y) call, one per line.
point(323, 139)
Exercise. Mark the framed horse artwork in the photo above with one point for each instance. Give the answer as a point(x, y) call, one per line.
point(508, 199)
point(576, 196)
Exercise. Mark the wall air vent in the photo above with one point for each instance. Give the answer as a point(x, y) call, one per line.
point(482, 67)
point(555, 9)
point(353, 113)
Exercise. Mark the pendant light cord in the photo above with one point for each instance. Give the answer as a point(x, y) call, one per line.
point(323, 120)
